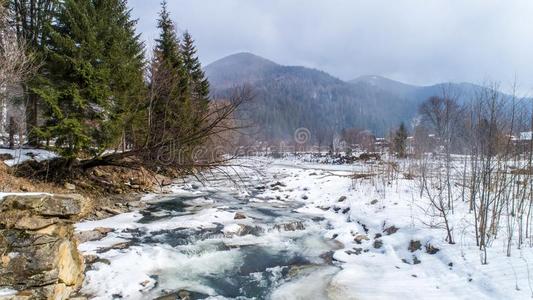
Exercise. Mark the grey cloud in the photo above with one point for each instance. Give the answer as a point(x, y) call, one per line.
point(414, 41)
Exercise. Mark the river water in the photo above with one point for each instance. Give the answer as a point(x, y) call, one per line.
point(242, 238)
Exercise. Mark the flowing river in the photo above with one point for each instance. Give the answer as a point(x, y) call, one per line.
point(244, 238)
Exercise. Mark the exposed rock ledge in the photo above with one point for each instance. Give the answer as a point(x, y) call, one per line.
point(38, 251)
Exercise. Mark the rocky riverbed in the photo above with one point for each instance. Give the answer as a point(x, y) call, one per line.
point(221, 240)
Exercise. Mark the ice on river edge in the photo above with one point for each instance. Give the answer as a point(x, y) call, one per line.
point(360, 270)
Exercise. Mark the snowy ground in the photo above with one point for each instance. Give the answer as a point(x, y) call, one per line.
point(22, 155)
point(353, 243)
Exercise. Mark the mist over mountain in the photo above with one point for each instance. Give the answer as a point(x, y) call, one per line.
point(290, 97)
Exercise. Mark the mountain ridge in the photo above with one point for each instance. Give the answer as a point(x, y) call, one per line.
point(290, 97)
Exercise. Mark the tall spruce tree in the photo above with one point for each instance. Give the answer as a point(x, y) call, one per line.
point(92, 75)
point(198, 83)
point(170, 109)
point(400, 141)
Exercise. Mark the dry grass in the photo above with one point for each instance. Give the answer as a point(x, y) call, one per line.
point(9, 183)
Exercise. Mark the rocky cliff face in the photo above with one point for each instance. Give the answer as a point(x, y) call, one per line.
point(38, 251)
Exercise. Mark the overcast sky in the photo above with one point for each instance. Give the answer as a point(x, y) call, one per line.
point(415, 41)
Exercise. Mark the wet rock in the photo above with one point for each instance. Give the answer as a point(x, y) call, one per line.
point(328, 257)
point(391, 230)
point(336, 209)
point(356, 251)
point(378, 235)
point(239, 216)
point(183, 295)
point(90, 235)
point(430, 249)
point(347, 209)
point(304, 197)
point(90, 259)
point(414, 246)
point(378, 244)
point(117, 246)
point(291, 226)
point(342, 199)
point(93, 235)
point(359, 238)
point(415, 261)
point(278, 184)
point(248, 229)
point(373, 202)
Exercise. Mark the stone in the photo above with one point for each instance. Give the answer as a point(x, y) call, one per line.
point(375, 201)
point(248, 229)
point(38, 252)
point(70, 264)
point(291, 226)
point(34, 223)
point(278, 184)
point(89, 235)
point(327, 257)
point(304, 197)
point(430, 249)
point(69, 186)
point(359, 238)
point(104, 230)
point(356, 251)
point(239, 216)
point(90, 259)
point(391, 230)
point(414, 246)
point(342, 199)
point(111, 211)
point(378, 244)
point(45, 204)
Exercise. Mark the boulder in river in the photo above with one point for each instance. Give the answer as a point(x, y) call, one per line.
point(290, 226)
point(239, 216)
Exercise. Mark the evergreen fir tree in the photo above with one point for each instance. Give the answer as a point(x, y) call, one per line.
point(400, 141)
point(93, 71)
point(198, 83)
point(170, 110)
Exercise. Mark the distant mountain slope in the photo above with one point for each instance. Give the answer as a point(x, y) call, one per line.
point(290, 97)
point(386, 84)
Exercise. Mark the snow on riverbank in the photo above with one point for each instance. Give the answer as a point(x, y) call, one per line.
point(22, 155)
point(388, 251)
point(380, 265)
